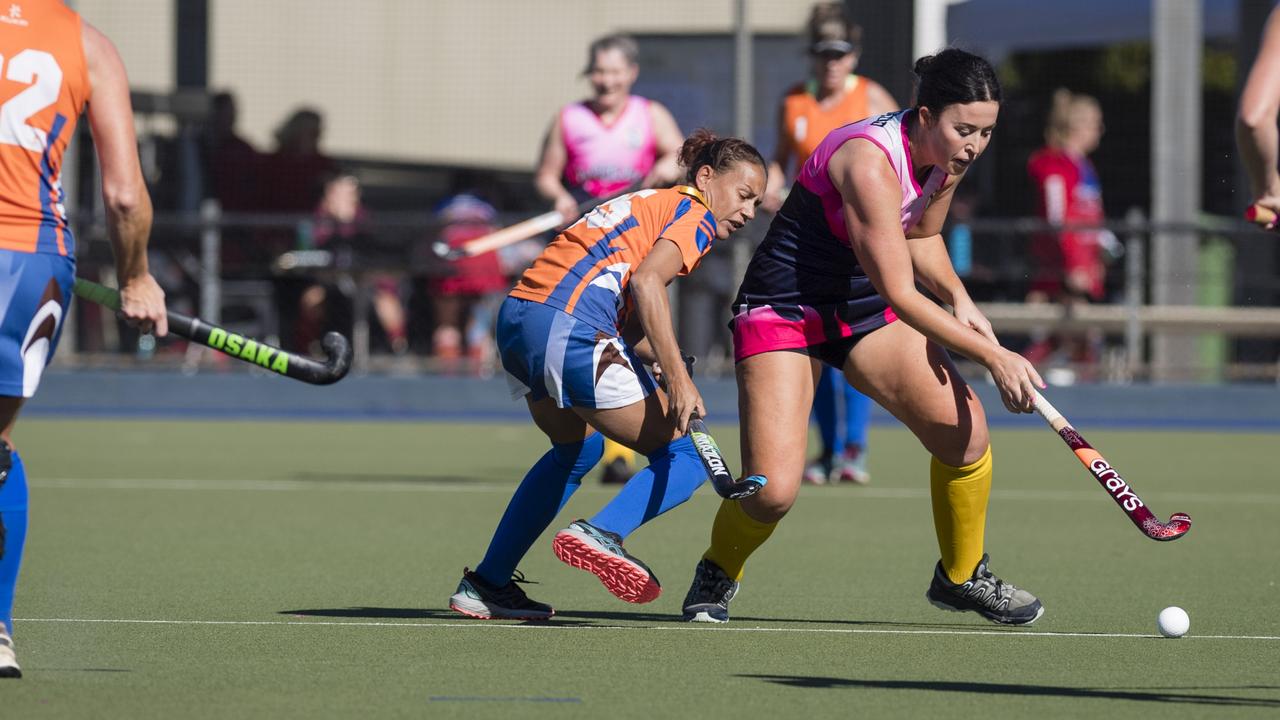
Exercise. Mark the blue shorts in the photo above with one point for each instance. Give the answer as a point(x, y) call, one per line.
point(548, 353)
point(35, 294)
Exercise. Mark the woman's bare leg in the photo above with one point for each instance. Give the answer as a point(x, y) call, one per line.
point(915, 380)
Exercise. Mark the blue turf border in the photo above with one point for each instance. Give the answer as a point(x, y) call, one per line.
point(243, 396)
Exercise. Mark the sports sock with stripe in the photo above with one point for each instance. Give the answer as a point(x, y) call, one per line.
point(544, 491)
point(960, 513)
point(674, 473)
point(13, 531)
point(734, 536)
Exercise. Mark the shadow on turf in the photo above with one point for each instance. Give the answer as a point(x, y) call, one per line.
point(382, 613)
point(385, 613)
point(740, 619)
point(568, 617)
point(1158, 695)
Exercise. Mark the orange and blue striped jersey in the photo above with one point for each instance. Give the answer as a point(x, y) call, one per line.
point(44, 85)
point(585, 270)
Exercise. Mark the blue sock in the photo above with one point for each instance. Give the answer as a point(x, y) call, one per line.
point(13, 531)
point(674, 473)
point(857, 416)
point(545, 489)
point(824, 408)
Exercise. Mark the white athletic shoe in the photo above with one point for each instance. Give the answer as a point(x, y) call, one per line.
point(851, 467)
point(817, 472)
point(8, 660)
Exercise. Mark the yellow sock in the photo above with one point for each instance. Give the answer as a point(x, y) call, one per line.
point(960, 513)
point(734, 536)
point(613, 450)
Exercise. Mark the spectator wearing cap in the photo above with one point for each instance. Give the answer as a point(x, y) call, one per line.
point(832, 96)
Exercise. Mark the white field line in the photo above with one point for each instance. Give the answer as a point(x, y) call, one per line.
point(481, 625)
point(860, 493)
point(265, 485)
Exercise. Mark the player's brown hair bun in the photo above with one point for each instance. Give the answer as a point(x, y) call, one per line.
point(703, 147)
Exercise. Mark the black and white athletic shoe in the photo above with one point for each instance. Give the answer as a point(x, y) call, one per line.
point(985, 594)
point(709, 596)
point(479, 599)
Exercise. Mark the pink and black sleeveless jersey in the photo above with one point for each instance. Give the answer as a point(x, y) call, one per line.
point(602, 160)
point(806, 258)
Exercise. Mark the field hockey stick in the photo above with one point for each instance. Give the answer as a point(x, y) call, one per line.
point(524, 230)
point(299, 367)
point(1260, 215)
point(716, 466)
point(709, 453)
point(1109, 479)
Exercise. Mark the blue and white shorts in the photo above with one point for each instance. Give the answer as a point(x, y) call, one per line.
point(35, 294)
point(548, 353)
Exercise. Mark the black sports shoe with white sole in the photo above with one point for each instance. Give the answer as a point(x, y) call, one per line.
point(709, 595)
point(478, 598)
point(985, 594)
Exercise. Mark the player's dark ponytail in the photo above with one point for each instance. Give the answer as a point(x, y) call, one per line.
point(704, 148)
point(954, 76)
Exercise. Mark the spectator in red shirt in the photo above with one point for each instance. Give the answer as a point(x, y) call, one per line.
point(1069, 263)
point(466, 299)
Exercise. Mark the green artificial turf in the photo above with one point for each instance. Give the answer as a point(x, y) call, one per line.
point(185, 569)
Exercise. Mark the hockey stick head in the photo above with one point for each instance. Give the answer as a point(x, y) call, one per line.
point(338, 353)
point(1177, 526)
point(335, 366)
point(717, 469)
point(442, 250)
point(744, 488)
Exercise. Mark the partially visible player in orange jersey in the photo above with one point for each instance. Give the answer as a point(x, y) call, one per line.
point(53, 66)
point(575, 336)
